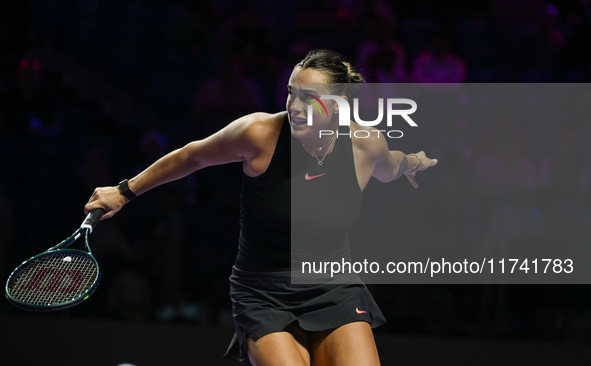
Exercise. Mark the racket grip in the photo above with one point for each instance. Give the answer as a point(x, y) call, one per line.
point(92, 219)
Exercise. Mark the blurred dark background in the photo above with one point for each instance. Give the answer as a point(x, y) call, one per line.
point(92, 92)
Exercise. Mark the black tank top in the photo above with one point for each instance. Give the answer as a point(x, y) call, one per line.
point(297, 202)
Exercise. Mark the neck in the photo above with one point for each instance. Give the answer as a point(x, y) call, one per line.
point(320, 152)
point(319, 144)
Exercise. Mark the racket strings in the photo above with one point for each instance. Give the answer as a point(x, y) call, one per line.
point(54, 279)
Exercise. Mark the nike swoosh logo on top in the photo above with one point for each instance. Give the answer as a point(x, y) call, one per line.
point(308, 177)
point(360, 311)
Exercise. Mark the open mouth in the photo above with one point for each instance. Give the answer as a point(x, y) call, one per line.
point(296, 121)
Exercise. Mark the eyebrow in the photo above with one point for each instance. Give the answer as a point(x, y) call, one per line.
point(307, 91)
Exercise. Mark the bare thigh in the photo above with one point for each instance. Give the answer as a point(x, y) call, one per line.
point(352, 344)
point(287, 348)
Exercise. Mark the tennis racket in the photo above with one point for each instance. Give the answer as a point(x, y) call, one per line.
point(58, 278)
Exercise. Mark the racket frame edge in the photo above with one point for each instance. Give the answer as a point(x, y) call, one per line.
point(60, 247)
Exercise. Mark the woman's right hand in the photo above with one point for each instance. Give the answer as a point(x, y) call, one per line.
point(109, 199)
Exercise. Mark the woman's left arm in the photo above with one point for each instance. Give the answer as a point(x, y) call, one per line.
point(377, 161)
point(394, 164)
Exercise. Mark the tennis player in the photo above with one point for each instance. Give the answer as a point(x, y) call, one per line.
point(277, 322)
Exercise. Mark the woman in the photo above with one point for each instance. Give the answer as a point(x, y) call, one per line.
point(278, 323)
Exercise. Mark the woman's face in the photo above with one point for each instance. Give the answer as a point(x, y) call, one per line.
point(304, 86)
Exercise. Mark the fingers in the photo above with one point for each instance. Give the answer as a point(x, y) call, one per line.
point(107, 198)
point(431, 163)
point(91, 204)
point(425, 161)
point(411, 179)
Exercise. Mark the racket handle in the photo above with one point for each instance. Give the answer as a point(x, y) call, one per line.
point(92, 219)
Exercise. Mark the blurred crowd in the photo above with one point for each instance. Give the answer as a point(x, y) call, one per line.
point(92, 92)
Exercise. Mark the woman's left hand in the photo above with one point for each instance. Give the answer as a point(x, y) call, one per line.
point(426, 163)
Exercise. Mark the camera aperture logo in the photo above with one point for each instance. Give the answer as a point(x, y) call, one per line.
point(345, 114)
point(315, 98)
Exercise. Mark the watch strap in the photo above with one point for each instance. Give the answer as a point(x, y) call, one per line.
point(125, 191)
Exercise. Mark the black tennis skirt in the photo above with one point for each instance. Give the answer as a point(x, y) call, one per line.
point(267, 302)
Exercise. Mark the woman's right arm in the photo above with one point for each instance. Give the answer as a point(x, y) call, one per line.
point(233, 143)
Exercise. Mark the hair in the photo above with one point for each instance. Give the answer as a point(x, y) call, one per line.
point(336, 68)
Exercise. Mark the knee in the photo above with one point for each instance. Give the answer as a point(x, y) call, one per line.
point(277, 349)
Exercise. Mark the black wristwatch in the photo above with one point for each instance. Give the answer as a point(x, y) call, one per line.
point(124, 189)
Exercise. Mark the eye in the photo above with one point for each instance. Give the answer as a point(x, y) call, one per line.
point(307, 98)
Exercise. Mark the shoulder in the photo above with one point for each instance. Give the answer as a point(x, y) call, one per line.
point(258, 129)
point(252, 127)
point(243, 139)
point(261, 123)
point(256, 136)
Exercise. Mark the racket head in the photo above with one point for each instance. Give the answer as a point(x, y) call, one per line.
point(53, 280)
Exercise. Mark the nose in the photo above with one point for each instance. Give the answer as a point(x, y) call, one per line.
point(297, 106)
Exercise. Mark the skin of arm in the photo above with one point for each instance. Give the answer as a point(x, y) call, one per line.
point(242, 140)
point(394, 165)
point(376, 160)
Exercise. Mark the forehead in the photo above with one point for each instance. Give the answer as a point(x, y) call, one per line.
point(308, 79)
point(307, 76)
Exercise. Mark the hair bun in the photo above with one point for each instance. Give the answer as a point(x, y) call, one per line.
point(354, 76)
point(338, 72)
